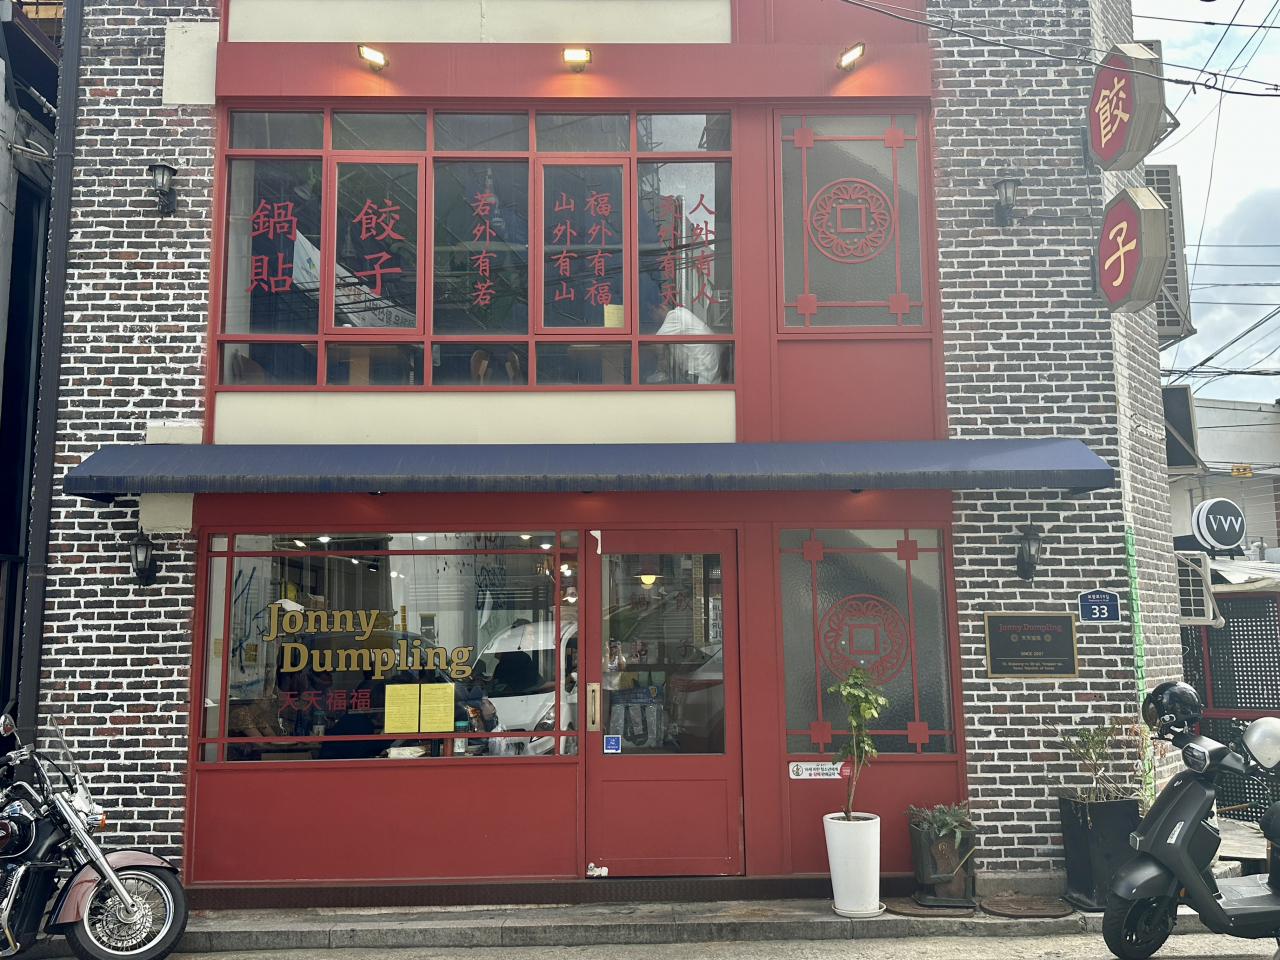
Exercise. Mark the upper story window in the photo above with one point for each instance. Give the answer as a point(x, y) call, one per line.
point(850, 222)
point(565, 249)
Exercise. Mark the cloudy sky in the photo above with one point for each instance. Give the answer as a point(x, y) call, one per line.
point(1231, 194)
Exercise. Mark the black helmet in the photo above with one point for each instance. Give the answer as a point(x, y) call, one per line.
point(1171, 707)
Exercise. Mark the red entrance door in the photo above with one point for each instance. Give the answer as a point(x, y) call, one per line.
point(662, 742)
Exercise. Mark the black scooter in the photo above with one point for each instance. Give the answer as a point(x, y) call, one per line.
point(1176, 842)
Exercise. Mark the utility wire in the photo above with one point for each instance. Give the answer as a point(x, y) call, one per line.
point(1235, 339)
point(1207, 23)
point(1043, 54)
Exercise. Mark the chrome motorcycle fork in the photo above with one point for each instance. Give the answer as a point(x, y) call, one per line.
point(95, 855)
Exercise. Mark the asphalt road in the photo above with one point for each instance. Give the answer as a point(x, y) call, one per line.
point(1082, 947)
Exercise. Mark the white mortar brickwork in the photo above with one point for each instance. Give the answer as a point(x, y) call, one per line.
point(1027, 355)
point(115, 663)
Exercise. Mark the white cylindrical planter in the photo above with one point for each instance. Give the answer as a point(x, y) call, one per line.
point(853, 851)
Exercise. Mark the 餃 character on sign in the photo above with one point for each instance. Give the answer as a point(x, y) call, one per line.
point(1118, 234)
point(260, 276)
point(377, 270)
point(1110, 109)
point(275, 220)
point(372, 217)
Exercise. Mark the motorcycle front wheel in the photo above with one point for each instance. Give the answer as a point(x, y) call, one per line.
point(1135, 929)
point(107, 932)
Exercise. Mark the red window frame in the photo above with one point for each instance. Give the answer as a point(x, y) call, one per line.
point(924, 202)
point(423, 333)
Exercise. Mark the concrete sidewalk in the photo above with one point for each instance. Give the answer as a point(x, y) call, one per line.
point(600, 924)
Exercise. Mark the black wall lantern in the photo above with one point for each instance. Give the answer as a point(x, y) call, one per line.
point(1028, 552)
point(142, 557)
point(1006, 190)
point(162, 180)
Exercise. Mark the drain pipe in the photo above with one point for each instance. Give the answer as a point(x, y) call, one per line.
point(50, 373)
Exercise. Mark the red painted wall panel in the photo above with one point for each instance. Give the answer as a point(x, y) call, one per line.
point(324, 821)
point(856, 390)
point(885, 789)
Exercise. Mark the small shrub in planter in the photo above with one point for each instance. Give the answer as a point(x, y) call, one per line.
point(942, 843)
point(1097, 818)
point(853, 839)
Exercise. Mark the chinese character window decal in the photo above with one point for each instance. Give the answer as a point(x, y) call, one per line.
point(850, 222)
point(565, 250)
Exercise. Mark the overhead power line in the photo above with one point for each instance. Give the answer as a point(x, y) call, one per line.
point(1210, 84)
point(1235, 339)
point(1209, 23)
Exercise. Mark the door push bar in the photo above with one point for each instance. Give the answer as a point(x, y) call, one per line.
point(593, 707)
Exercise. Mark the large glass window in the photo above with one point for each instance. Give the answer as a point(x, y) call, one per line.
point(581, 249)
point(356, 646)
point(871, 599)
point(850, 222)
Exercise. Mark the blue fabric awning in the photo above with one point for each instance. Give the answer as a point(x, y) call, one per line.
point(120, 470)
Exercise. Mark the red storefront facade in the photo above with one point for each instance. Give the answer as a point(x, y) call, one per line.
point(702, 243)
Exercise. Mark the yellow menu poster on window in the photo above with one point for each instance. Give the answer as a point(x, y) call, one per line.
point(437, 708)
point(402, 708)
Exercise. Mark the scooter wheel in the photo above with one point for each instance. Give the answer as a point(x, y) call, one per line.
point(1135, 929)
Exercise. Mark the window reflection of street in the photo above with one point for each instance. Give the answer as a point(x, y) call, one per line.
point(662, 653)
point(349, 646)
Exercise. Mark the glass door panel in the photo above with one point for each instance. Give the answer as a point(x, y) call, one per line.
point(662, 653)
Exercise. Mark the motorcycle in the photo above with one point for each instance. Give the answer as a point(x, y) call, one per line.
point(109, 905)
point(1176, 842)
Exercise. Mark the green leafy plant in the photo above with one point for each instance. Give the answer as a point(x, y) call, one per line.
point(945, 819)
point(864, 705)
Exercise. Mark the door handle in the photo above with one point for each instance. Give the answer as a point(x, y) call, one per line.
point(593, 707)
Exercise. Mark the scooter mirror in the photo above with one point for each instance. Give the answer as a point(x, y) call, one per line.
point(7, 726)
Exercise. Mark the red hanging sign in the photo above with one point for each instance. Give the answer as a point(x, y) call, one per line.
point(1126, 107)
point(1132, 250)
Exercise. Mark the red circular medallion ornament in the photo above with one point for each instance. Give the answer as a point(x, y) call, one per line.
point(850, 220)
point(866, 632)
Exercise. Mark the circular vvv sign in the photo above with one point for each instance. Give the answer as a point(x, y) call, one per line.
point(1218, 524)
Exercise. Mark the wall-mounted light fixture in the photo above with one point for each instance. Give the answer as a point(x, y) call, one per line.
point(142, 557)
point(1028, 551)
point(162, 184)
point(1006, 190)
point(849, 59)
point(374, 57)
point(577, 58)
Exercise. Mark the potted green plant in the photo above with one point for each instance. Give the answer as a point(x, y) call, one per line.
point(1098, 815)
point(942, 844)
point(853, 839)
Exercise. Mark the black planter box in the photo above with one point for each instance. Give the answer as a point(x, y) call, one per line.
point(1095, 840)
point(942, 888)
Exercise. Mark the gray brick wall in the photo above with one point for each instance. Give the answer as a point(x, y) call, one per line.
point(115, 659)
point(1028, 355)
